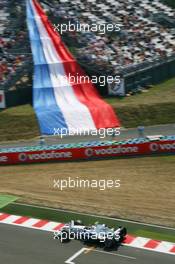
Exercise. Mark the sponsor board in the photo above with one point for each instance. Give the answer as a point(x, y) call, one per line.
point(116, 89)
point(2, 99)
point(147, 148)
point(89, 152)
point(44, 155)
point(3, 159)
point(162, 147)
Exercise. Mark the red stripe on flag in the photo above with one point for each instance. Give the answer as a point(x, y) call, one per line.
point(3, 216)
point(102, 113)
point(173, 249)
point(129, 239)
point(152, 244)
point(41, 223)
point(58, 227)
point(21, 220)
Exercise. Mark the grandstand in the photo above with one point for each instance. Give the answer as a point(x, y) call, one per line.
point(169, 2)
point(142, 53)
point(15, 53)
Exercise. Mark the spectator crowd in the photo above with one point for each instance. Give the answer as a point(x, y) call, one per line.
point(12, 39)
point(141, 38)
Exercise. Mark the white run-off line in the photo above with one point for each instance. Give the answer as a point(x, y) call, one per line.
point(70, 260)
point(77, 254)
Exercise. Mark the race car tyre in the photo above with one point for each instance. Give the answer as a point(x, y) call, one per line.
point(123, 233)
point(64, 236)
point(109, 243)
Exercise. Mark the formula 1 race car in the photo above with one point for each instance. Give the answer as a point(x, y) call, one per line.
point(98, 233)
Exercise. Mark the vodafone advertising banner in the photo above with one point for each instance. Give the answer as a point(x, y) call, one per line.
point(156, 147)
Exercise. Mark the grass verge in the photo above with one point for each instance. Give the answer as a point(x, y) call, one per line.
point(62, 216)
point(6, 199)
point(146, 115)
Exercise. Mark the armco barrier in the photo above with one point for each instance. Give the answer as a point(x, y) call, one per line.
point(86, 151)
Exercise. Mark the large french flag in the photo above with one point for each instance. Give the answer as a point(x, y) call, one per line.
point(58, 103)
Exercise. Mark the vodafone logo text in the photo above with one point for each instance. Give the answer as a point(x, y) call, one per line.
point(3, 159)
point(22, 156)
point(89, 152)
point(110, 151)
point(163, 147)
point(44, 155)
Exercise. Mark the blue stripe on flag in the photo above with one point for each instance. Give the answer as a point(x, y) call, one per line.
point(48, 112)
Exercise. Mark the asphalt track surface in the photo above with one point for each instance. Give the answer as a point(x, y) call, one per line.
point(130, 133)
point(20, 245)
